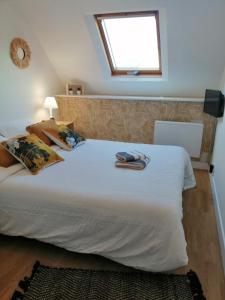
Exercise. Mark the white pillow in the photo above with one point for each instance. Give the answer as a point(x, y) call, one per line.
point(13, 128)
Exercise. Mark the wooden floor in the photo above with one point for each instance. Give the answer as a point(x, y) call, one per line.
point(17, 255)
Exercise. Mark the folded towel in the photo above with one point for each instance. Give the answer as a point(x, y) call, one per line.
point(126, 156)
point(139, 164)
point(130, 156)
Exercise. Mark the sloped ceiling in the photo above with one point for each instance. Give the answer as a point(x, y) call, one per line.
point(193, 34)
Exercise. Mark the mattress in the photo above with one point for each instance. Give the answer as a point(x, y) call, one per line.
point(85, 204)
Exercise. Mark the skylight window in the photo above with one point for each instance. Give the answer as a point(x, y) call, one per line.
point(131, 41)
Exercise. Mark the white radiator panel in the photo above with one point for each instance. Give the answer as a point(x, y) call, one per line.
point(187, 135)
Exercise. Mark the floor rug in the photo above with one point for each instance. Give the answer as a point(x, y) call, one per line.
point(47, 283)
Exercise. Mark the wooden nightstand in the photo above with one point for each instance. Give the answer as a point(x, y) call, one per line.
point(66, 123)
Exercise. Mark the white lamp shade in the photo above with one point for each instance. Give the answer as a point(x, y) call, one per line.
point(50, 102)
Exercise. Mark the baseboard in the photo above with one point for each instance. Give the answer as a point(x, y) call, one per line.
point(220, 228)
point(200, 165)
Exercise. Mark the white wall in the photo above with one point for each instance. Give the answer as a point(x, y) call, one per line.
point(219, 176)
point(192, 32)
point(22, 91)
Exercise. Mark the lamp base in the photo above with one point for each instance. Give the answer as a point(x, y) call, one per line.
point(50, 113)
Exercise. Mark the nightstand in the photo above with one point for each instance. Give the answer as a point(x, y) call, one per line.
point(66, 123)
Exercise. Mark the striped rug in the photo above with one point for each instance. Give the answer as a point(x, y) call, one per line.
point(47, 283)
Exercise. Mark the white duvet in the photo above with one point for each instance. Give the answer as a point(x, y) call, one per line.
point(85, 204)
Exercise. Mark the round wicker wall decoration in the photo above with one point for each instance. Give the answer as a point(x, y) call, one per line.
point(20, 53)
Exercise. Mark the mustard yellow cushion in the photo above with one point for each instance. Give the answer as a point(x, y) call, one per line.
point(64, 137)
point(38, 130)
point(32, 152)
point(6, 159)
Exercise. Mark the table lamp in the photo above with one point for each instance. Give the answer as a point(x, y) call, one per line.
point(50, 103)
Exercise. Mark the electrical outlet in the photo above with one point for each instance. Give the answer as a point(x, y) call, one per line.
point(211, 168)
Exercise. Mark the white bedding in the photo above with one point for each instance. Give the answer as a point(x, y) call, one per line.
point(15, 127)
point(87, 205)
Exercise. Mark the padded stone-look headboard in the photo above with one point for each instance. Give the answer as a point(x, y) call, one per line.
point(131, 118)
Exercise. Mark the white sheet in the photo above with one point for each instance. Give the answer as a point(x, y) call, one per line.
point(14, 127)
point(6, 172)
point(87, 205)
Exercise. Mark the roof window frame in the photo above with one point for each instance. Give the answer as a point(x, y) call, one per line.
point(129, 72)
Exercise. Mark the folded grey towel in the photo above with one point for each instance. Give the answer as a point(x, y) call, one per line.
point(125, 156)
point(139, 164)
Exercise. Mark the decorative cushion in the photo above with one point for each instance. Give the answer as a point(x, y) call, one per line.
point(38, 130)
point(6, 159)
point(64, 137)
point(32, 152)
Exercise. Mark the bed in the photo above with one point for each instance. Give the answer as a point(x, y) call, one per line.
point(86, 205)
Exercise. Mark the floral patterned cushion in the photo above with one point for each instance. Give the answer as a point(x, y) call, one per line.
point(64, 137)
point(32, 152)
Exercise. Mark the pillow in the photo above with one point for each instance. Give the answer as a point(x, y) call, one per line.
point(13, 128)
point(64, 137)
point(38, 130)
point(32, 152)
point(6, 159)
